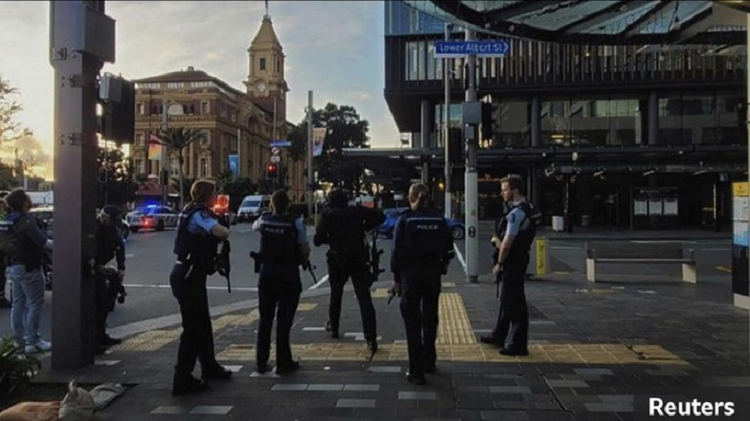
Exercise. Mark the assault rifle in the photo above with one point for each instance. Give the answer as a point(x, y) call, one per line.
point(375, 254)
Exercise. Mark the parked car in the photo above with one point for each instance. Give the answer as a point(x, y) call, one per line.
point(152, 217)
point(457, 228)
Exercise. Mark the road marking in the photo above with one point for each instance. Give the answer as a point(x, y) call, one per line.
point(210, 287)
point(322, 281)
point(454, 326)
point(723, 268)
point(460, 256)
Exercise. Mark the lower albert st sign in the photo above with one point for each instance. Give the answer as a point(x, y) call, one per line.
point(446, 49)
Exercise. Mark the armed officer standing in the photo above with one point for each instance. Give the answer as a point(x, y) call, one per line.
point(343, 228)
point(510, 267)
point(198, 234)
point(422, 249)
point(109, 245)
point(283, 248)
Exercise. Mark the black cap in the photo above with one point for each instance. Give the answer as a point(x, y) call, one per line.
point(112, 211)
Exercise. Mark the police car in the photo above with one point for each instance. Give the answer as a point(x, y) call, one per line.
point(152, 217)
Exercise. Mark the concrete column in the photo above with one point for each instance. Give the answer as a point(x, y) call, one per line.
point(536, 126)
point(653, 119)
point(76, 149)
point(424, 127)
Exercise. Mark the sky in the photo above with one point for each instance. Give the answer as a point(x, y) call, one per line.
point(334, 48)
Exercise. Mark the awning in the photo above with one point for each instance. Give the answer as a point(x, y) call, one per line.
point(604, 22)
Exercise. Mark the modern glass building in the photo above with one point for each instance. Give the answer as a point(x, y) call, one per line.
point(630, 135)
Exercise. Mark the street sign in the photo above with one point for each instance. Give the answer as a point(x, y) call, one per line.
point(494, 48)
point(281, 143)
point(275, 151)
point(275, 158)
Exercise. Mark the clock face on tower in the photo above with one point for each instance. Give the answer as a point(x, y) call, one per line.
point(261, 87)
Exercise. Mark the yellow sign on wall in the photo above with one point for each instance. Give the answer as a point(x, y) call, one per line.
point(740, 189)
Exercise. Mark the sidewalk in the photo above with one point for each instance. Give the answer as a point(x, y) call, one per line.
point(594, 353)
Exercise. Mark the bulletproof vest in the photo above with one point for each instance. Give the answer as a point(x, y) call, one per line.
point(194, 248)
point(425, 231)
point(347, 234)
point(16, 245)
point(525, 237)
point(278, 243)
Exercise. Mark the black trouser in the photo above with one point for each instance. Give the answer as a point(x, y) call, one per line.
point(420, 295)
point(101, 306)
point(513, 315)
point(197, 339)
point(284, 292)
point(3, 280)
point(338, 273)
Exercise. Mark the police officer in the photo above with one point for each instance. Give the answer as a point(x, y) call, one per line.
point(343, 228)
point(25, 244)
point(422, 249)
point(283, 247)
point(510, 267)
point(199, 231)
point(109, 245)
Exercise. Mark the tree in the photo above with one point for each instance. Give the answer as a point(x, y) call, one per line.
point(236, 188)
point(10, 130)
point(345, 129)
point(7, 180)
point(117, 184)
point(178, 139)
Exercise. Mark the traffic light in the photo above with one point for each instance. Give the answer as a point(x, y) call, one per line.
point(456, 146)
point(272, 171)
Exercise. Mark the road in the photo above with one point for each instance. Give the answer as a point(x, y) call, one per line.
point(150, 260)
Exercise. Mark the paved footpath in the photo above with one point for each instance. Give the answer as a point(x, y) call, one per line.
point(597, 350)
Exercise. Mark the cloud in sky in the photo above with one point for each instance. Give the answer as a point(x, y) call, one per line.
point(334, 49)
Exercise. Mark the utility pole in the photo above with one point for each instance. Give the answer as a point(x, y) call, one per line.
point(310, 181)
point(163, 173)
point(77, 55)
point(447, 128)
point(471, 193)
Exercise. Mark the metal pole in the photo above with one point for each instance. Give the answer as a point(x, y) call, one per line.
point(446, 128)
point(471, 188)
point(310, 181)
point(163, 166)
point(76, 149)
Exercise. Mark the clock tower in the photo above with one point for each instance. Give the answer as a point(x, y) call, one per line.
point(265, 80)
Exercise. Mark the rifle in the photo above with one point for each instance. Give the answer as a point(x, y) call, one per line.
point(223, 266)
point(375, 253)
point(309, 266)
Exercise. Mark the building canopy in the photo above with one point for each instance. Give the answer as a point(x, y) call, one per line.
point(609, 22)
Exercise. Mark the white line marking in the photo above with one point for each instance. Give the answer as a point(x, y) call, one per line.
point(322, 280)
point(210, 287)
point(460, 256)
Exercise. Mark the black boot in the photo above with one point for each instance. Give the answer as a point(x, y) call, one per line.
point(185, 384)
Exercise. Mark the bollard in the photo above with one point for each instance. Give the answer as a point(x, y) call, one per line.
point(542, 257)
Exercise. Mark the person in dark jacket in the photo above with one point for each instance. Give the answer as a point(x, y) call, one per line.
point(343, 228)
point(25, 245)
point(283, 248)
point(4, 302)
point(422, 249)
point(198, 234)
point(109, 245)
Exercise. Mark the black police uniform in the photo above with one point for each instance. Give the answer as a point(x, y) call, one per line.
point(422, 248)
point(279, 284)
point(109, 245)
point(344, 229)
point(196, 254)
point(513, 315)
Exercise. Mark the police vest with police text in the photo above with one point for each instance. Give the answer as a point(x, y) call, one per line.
point(194, 248)
point(425, 232)
point(278, 243)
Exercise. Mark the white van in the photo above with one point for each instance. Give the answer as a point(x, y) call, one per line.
point(252, 206)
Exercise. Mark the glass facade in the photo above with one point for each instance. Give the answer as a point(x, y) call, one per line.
point(402, 19)
point(701, 118)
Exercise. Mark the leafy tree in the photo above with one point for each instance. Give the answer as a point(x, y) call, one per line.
point(117, 184)
point(10, 130)
point(236, 188)
point(179, 138)
point(7, 180)
point(345, 129)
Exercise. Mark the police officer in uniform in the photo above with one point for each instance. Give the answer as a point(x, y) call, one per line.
point(422, 249)
point(343, 228)
point(283, 247)
point(109, 245)
point(198, 234)
point(510, 267)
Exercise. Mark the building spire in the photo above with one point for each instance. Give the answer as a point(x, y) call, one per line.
point(267, 14)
